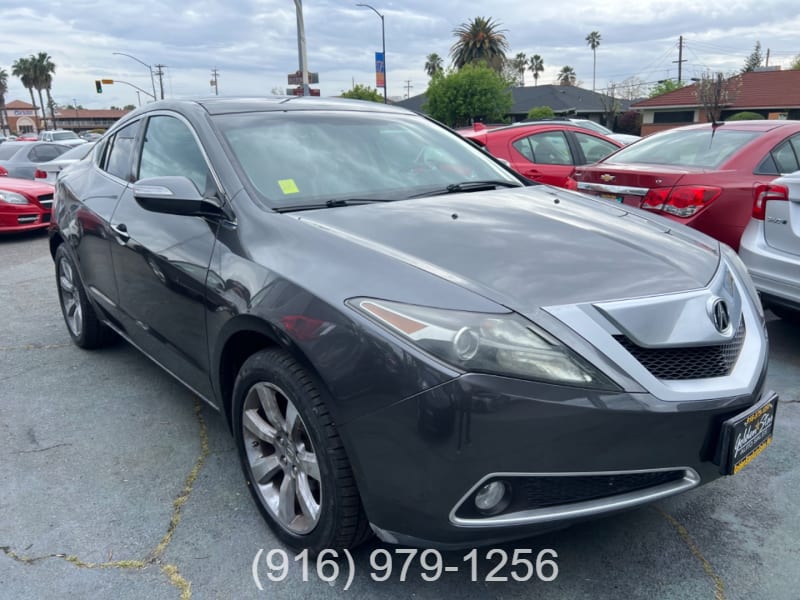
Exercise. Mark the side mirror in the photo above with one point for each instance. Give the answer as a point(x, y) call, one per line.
point(174, 195)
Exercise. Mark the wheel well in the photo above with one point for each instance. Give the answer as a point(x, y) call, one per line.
point(241, 346)
point(55, 241)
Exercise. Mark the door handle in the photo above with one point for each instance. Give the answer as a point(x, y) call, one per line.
point(122, 232)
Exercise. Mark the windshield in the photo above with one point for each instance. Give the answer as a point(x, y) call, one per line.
point(65, 135)
point(686, 148)
point(308, 157)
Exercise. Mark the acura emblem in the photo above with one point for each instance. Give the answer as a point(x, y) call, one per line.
point(606, 177)
point(720, 316)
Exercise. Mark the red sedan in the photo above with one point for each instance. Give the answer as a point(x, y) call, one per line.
point(702, 176)
point(24, 204)
point(544, 152)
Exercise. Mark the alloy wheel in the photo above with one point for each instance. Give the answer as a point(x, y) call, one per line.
point(70, 298)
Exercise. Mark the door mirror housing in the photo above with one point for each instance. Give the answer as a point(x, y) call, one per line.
point(174, 195)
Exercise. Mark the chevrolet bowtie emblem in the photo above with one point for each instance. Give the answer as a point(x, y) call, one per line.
point(606, 177)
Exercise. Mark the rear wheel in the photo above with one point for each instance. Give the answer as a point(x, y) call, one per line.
point(292, 456)
point(83, 325)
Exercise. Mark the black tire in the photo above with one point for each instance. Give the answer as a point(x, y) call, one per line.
point(275, 378)
point(83, 325)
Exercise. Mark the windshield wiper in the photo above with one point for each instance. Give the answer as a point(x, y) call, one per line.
point(332, 204)
point(471, 186)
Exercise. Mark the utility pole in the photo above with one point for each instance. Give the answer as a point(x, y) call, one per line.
point(680, 60)
point(766, 64)
point(215, 80)
point(301, 46)
point(408, 87)
point(160, 75)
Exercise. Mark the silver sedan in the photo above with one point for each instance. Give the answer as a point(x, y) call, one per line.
point(20, 159)
point(770, 245)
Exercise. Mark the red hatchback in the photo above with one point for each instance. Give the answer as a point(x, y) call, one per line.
point(702, 176)
point(24, 204)
point(545, 152)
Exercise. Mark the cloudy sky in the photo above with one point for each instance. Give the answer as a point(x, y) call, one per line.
point(253, 43)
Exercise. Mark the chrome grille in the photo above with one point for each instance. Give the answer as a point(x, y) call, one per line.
point(46, 200)
point(689, 362)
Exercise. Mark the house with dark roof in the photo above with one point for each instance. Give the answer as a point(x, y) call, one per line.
point(771, 94)
point(565, 100)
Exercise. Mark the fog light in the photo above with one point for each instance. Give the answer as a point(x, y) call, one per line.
point(492, 497)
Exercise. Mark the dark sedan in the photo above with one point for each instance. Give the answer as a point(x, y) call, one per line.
point(416, 344)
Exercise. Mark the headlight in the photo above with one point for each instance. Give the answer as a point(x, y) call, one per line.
point(12, 198)
point(740, 269)
point(501, 343)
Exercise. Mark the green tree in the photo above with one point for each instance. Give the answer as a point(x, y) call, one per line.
point(664, 86)
point(536, 65)
point(129, 107)
point(22, 68)
point(479, 40)
point(795, 66)
point(519, 64)
point(755, 59)
point(566, 76)
point(3, 92)
point(433, 64)
point(593, 41)
point(44, 69)
point(746, 115)
point(363, 92)
point(540, 112)
point(474, 92)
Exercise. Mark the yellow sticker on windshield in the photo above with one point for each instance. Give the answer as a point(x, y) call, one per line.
point(288, 186)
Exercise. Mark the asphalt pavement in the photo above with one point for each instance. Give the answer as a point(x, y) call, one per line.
point(115, 482)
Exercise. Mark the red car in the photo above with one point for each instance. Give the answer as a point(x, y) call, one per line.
point(699, 175)
point(544, 152)
point(28, 137)
point(24, 204)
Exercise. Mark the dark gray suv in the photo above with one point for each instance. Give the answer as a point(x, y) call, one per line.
point(404, 336)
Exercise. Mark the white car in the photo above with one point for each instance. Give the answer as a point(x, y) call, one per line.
point(62, 136)
point(770, 245)
point(48, 171)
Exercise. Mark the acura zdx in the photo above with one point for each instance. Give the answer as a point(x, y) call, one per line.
point(404, 336)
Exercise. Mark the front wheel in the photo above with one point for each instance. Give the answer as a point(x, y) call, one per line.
point(292, 456)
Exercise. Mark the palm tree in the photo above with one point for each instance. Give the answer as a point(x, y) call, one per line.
point(479, 40)
point(433, 64)
point(593, 40)
point(45, 68)
point(567, 76)
point(3, 111)
point(519, 63)
point(23, 69)
point(536, 65)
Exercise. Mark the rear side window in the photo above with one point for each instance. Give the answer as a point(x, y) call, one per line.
point(119, 152)
point(547, 148)
point(783, 159)
point(593, 148)
point(687, 148)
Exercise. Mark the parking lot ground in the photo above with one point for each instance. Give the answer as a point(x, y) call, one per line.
point(115, 482)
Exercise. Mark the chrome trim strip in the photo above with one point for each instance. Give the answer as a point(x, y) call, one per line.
point(577, 509)
point(619, 190)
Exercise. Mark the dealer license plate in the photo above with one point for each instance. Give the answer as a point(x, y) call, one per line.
point(613, 197)
point(747, 435)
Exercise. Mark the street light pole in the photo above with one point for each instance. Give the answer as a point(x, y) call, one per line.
point(149, 68)
point(383, 47)
point(301, 46)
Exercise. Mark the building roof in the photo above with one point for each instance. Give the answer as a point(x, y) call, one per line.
point(84, 113)
point(563, 99)
point(19, 105)
point(758, 89)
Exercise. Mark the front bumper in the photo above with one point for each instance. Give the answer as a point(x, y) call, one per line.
point(419, 461)
point(23, 217)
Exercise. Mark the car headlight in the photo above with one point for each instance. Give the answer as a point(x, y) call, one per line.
point(12, 198)
point(498, 343)
point(740, 269)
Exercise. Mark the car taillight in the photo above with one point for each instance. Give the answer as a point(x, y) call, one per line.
point(681, 200)
point(39, 174)
point(3, 172)
point(763, 193)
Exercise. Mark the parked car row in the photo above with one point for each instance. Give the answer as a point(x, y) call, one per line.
point(361, 292)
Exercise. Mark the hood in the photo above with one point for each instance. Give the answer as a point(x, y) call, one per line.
point(12, 184)
point(530, 247)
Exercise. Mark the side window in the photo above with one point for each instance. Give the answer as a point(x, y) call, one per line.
point(550, 148)
point(119, 152)
point(523, 146)
point(171, 149)
point(593, 147)
point(44, 153)
point(785, 158)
